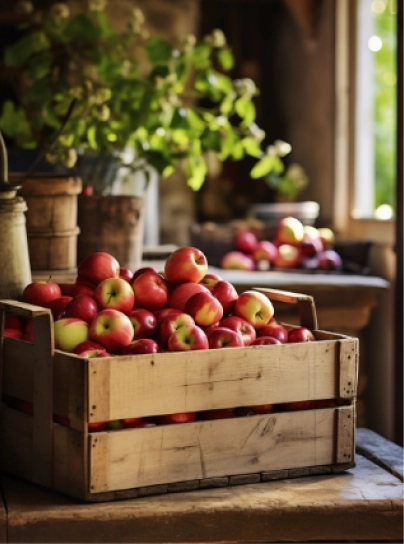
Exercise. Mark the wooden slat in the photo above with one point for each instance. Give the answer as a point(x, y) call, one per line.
point(348, 369)
point(381, 451)
point(70, 462)
point(16, 441)
point(19, 357)
point(43, 400)
point(146, 385)
point(70, 388)
point(345, 434)
point(168, 453)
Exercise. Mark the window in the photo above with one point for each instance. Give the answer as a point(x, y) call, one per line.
point(366, 117)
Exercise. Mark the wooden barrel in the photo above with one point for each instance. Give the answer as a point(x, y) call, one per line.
point(51, 220)
point(111, 223)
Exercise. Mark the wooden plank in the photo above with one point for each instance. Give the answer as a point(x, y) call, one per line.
point(146, 385)
point(364, 504)
point(43, 399)
point(349, 365)
point(305, 304)
point(345, 434)
point(19, 359)
point(381, 451)
point(16, 439)
point(70, 466)
point(70, 388)
point(174, 453)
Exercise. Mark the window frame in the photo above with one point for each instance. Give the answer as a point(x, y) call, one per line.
point(345, 223)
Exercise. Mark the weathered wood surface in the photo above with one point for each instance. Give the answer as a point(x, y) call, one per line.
point(362, 504)
point(382, 452)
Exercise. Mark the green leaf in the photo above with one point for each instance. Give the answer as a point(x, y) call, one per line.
point(237, 152)
point(196, 170)
point(19, 52)
point(201, 56)
point(226, 59)
point(252, 147)
point(91, 137)
point(246, 110)
point(158, 51)
point(263, 167)
point(83, 29)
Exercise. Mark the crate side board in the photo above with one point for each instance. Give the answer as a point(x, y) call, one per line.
point(175, 453)
point(16, 439)
point(164, 383)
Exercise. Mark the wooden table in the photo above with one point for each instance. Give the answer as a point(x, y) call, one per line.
point(363, 504)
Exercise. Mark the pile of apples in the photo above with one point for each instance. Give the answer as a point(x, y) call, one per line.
point(294, 246)
point(110, 310)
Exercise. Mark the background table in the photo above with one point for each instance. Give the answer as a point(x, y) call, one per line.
point(363, 504)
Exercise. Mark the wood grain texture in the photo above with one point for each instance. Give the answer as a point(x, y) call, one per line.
point(167, 383)
point(167, 454)
point(381, 451)
point(363, 504)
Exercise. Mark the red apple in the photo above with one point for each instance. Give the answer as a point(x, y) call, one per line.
point(243, 411)
point(188, 338)
point(142, 345)
point(14, 322)
point(218, 413)
point(183, 417)
point(210, 280)
point(204, 308)
point(82, 306)
point(276, 330)
point(245, 241)
point(97, 267)
point(221, 337)
point(297, 405)
point(57, 305)
point(180, 294)
point(324, 403)
point(311, 243)
point(61, 420)
point(79, 288)
point(24, 406)
point(93, 353)
point(69, 332)
point(115, 425)
point(327, 237)
point(329, 260)
point(142, 270)
point(242, 327)
point(186, 264)
point(29, 331)
point(125, 274)
point(151, 291)
point(300, 334)
point(254, 307)
point(40, 293)
point(166, 312)
point(289, 256)
point(226, 294)
point(235, 260)
point(144, 323)
point(112, 329)
point(88, 190)
point(265, 251)
point(265, 341)
point(172, 323)
point(262, 408)
point(289, 231)
point(13, 333)
point(87, 344)
point(97, 426)
point(131, 422)
point(115, 293)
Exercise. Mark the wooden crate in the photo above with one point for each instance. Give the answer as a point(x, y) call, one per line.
point(139, 462)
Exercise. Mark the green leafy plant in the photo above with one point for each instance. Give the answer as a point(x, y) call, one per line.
point(171, 103)
point(287, 183)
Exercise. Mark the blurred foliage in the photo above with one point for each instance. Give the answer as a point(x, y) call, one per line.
point(131, 89)
point(385, 105)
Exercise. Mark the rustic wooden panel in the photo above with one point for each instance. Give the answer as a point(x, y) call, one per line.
point(168, 383)
point(165, 454)
point(365, 504)
point(19, 357)
point(70, 388)
point(16, 439)
point(345, 443)
point(381, 451)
